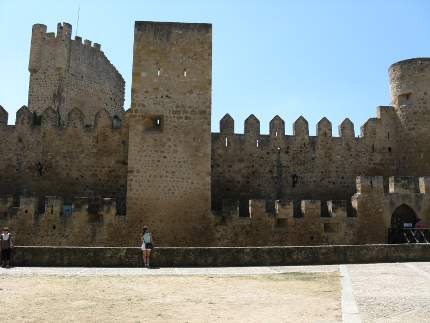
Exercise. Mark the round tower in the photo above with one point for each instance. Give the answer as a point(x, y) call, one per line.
point(410, 86)
point(410, 96)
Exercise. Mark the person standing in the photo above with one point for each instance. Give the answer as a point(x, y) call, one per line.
point(6, 245)
point(147, 245)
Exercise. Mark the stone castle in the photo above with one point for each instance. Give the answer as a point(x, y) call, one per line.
point(76, 169)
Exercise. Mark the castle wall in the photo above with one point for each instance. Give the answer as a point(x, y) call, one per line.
point(54, 221)
point(67, 74)
point(363, 219)
point(161, 165)
point(45, 159)
point(279, 166)
point(168, 184)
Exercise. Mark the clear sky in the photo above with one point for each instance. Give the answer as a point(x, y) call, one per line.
point(311, 58)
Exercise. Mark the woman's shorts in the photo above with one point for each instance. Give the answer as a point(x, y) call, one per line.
point(5, 254)
point(148, 246)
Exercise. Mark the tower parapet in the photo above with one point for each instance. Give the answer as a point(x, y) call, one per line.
point(410, 82)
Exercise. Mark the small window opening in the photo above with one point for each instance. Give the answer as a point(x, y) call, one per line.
point(154, 123)
point(373, 148)
point(244, 208)
point(389, 149)
point(294, 180)
point(116, 122)
point(158, 70)
point(325, 133)
point(226, 141)
point(258, 142)
point(388, 135)
point(185, 72)
point(279, 149)
point(297, 209)
point(276, 133)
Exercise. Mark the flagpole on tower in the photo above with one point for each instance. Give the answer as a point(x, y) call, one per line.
point(77, 21)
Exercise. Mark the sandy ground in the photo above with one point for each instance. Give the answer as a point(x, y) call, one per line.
point(285, 297)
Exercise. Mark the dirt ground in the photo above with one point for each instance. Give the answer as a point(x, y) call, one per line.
point(287, 297)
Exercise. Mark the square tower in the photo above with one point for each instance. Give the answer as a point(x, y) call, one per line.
point(169, 158)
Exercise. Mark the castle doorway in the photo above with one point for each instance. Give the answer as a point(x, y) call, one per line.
point(403, 217)
point(403, 220)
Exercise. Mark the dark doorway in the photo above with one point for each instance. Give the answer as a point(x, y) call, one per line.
point(402, 228)
point(403, 217)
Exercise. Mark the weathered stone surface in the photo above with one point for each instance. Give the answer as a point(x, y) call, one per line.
point(66, 74)
point(214, 257)
point(159, 164)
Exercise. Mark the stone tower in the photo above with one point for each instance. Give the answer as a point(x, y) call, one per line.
point(67, 75)
point(410, 96)
point(169, 157)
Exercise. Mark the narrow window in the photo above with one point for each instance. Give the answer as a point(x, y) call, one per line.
point(226, 141)
point(276, 133)
point(185, 72)
point(388, 135)
point(257, 143)
point(373, 148)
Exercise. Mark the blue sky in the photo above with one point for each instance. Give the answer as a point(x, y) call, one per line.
point(311, 58)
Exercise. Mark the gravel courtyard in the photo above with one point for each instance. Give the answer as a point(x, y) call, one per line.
point(283, 297)
point(353, 293)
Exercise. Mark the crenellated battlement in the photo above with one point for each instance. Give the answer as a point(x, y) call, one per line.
point(248, 211)
point(64, 32)
point(55, 207)
point(300, 127)
point(49, 118)
point(61, 221)
point(392, 185)
point(285, 221)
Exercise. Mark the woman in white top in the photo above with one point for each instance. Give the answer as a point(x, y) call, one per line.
point(146, 245)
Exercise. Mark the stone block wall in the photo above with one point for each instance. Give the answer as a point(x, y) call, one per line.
point(38, 156)
point(284, 222)
point(299, 166)
point(99, 221)
point(57, 221)
point(164, 168)
point(66, 74)
point(169, 156)
point(410, 96)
